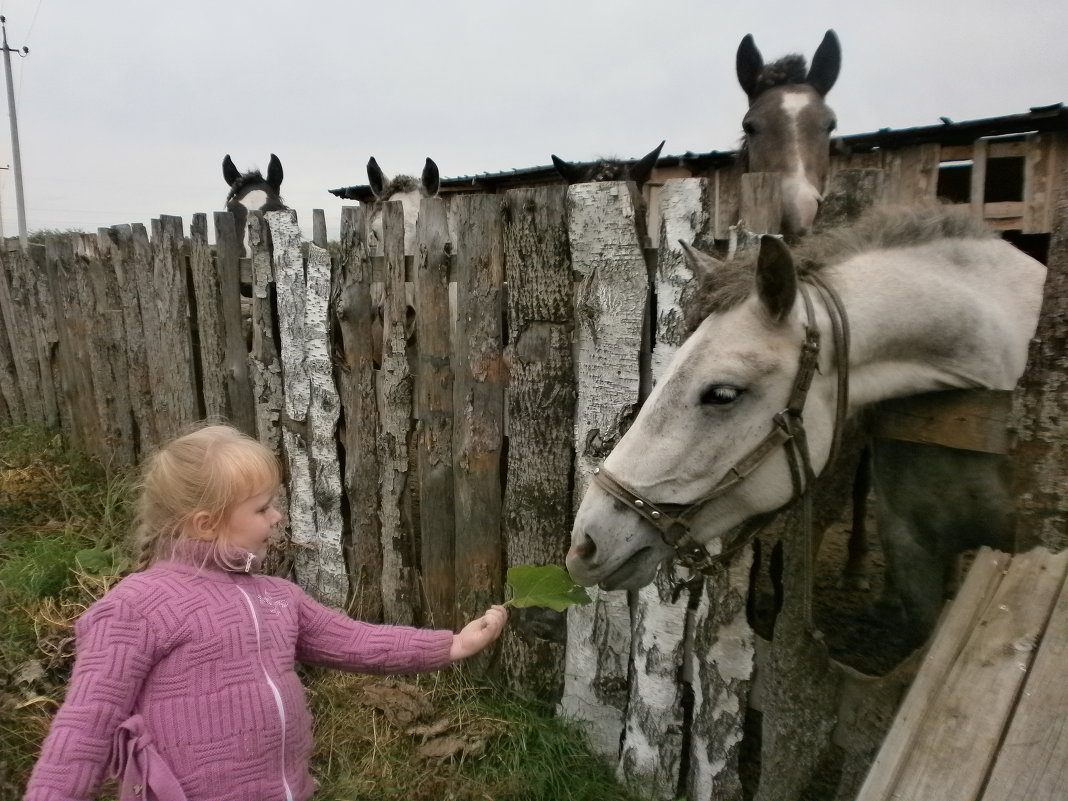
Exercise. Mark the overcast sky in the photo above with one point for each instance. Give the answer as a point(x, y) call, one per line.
point(127, 107)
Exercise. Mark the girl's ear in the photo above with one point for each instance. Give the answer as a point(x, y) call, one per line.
point(202, 527)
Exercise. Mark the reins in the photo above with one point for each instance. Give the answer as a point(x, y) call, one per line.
point(673, 521)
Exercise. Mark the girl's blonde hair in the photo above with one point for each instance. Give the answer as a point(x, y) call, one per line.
point(211, 469)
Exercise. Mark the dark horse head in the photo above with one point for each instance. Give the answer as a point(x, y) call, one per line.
point(607, 170)
point(788, 126)
point(250, 190)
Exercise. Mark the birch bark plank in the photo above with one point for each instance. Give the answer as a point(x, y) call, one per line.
point(541, 420)
point(291, 290)
point(610, 307)
point(479, 402)
point(356, 384)
point(325, 560)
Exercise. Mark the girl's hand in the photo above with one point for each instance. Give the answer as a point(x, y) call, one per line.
point(479, 633)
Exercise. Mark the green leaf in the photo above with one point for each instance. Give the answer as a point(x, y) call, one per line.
point(548, 586)
point(101, 561)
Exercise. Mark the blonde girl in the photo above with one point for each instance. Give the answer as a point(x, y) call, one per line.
point(184, 685)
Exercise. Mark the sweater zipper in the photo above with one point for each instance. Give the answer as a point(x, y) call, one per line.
point(274, 689)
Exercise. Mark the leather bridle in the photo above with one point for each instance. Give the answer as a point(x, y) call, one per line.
point(673, 521)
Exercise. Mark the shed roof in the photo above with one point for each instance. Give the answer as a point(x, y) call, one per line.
point(1037, 119)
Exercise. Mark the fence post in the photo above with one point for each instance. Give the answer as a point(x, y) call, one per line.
point(479, 382)
point(541, 421)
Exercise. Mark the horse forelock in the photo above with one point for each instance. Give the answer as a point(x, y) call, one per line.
point(250, 181)
point(787, 70)
point(400, 184)
point(879, 229)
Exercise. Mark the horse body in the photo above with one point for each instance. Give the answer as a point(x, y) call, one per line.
point(951, 310)
point(788, 125)
point(250, 190)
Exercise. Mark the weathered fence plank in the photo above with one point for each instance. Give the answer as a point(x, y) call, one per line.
point(236, 383)
point(541, 414)
point(119, 241)
point(265, 361)
point(74, 368)
point(434, 414)
point(20, 376)
point(761, 202)
point(399, 588)
point(610, 307)
point(168, 337)
point(210, 323)
point(478, 268)
point(356, 385)
point(107, 350)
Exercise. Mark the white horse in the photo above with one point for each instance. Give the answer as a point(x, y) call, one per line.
point(250, 190)
point(788, 126)
point(933, 302)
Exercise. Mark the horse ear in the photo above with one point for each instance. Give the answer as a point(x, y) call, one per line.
point(274, 173)
point(639, 173)
point(376, 178)
point(431, 177)
point(825, 64)
point(776, 277)
point(230, 173)
point(748, 64)
point(567, 171)
point(703, 266)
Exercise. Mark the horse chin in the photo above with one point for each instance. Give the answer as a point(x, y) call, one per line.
point(639, 570)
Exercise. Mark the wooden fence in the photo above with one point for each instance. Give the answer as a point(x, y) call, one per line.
point(438, 414)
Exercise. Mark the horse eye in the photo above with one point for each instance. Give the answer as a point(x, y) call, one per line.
point(749, 128)
point(720, 395)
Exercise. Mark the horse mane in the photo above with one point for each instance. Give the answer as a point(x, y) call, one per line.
point(787, 70)
point(880, 228)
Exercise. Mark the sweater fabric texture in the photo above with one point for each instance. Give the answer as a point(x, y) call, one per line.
point(184, 685)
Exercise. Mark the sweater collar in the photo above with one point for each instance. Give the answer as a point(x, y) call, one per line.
point(213, 560)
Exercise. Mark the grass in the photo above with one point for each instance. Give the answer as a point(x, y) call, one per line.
point(64, 523)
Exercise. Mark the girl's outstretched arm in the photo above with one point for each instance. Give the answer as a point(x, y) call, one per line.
point(479, 633)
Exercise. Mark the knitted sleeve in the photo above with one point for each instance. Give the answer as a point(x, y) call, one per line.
point(116, 647)
point(330, 638)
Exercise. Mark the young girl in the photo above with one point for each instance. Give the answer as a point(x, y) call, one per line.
point(184, 685)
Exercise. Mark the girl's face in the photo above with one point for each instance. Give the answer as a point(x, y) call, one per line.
point(251, 523)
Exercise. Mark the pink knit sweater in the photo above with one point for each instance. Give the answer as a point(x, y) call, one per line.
point(184, 686)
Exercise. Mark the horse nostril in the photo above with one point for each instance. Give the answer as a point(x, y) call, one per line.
point(585, 549)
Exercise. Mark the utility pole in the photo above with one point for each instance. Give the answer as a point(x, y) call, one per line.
point(16, 159)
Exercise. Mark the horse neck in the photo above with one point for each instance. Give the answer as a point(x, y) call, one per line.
point(921, 322)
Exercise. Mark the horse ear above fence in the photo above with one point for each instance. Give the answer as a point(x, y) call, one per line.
point(376, 179)
point(274, 173)
point(230, 172)
point(776, 277)
point(639, 173)
point(703, 266)
point(748, 64)
point(825, 64)
point(431, 177)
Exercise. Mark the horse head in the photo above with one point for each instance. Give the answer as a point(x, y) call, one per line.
point(608, 170)
point(788, 126)
point(709, 418)
point(250, 190)
point(405, 189)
